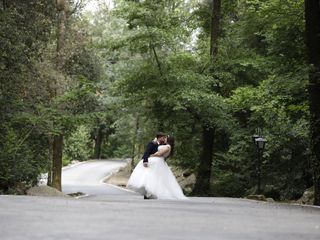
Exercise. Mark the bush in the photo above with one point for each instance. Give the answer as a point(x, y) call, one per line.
point(77, 146)
point(228, 185)
point(22, 158)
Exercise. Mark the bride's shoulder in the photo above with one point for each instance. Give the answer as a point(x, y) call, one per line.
point(165, 146)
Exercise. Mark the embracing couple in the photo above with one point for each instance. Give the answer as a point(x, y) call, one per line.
point(152, 177)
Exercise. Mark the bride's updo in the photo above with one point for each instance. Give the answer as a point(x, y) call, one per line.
point(170, 141)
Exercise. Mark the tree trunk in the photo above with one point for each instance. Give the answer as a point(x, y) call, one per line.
point(98, 142)
point(49, 179)
point(61, 32)
point(3, 5)
point(215, 27)
point(312, 15)
point(202, 185)
point(134, 141)
point(57, 161)
point(157, 60)
point(57, 146)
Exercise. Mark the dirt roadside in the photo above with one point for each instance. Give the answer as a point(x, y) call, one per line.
point(121, 177)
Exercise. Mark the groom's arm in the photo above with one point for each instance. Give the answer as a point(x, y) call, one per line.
point(148, 152)
point(162, 152)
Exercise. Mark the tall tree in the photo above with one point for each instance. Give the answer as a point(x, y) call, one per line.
point(26, 28)
point(312, 15)
point(202, 186)
point(57, 144)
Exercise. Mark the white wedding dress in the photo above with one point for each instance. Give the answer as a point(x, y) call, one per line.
point(156, 180)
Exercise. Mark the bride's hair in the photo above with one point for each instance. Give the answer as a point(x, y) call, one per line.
point(170, 141)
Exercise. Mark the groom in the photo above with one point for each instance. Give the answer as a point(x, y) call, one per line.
point(152, 147)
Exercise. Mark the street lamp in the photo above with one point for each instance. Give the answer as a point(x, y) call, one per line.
point(260, 143)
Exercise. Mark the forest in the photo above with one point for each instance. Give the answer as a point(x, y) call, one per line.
point(79, 85)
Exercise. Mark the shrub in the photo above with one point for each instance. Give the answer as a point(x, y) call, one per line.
point(77, 145)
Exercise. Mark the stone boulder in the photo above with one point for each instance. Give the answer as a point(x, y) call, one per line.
point(257, 197)
point(186, 179)
point(45, 191)
point(307, 197)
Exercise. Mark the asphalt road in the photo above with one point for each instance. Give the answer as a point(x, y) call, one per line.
point(117, 214)
point(130, 217)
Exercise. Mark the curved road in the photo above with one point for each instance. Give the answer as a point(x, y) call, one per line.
point(87, 177)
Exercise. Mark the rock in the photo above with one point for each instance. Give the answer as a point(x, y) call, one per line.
point(257, 197)
point(185, 178)
point(19, 188)
point(187, 173)
point(270, 200)
point(188, 183)
point(271, 191)
point(45, 191)
point(307, 197)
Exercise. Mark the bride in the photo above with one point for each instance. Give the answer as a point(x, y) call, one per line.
point(156, 180)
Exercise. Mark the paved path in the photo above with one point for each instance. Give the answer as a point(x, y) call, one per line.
point(130, 217)
point(88, 177)
point(111, 213)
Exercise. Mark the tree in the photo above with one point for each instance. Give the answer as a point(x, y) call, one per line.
point(51, 85)
point(202, 185)
point(312, 15)
point(26, 31)
point(57, 143)
point(64, 12)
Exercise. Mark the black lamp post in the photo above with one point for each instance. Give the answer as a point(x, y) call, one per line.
point(260, 142)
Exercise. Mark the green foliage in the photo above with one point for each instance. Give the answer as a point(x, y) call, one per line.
point(37, 101)
point(21, 160)
point(258, 79)
point(277, 102)
point(77, 145)
point(25, 30)
point(286, 128)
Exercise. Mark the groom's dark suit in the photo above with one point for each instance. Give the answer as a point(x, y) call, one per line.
point(152, 148)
